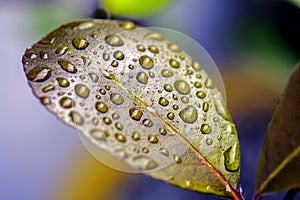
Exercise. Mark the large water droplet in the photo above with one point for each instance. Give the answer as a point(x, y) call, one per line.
point(82, 90)
point(67, 66)
point(101, 107)
point(231, 156)
point(135, 113)
point(189, 114)
point(144, 163)
point(80, 43)
point(146, 62)
point(174, 63)
point(142, 77)
point(39, 74)
point(114, 40)
point(182, 87)
point(116, 98)
point(66, 102)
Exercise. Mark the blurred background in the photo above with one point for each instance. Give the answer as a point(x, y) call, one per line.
point(254, 43)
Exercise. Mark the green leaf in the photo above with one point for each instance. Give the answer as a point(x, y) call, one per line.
point(279, 161)
point(136, 8)
point(139, 99)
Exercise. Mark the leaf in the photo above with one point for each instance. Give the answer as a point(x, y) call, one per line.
point(138, 97)
point(279, 161)
point(135, 8)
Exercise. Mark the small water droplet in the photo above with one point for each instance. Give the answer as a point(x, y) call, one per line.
point(140, 47)
point(209, 141)
point(197, 84)
point(154, 36)
point(145, 163)
point(76, 117)
point(200, 94)
point(66, 102)
point(174, 63)
point(163, 101)
point(101, 107)
point(166, 73)
point(177, 159)
point(189, 114)
point(146, 62)
point(67, 66)
point(48, 88)
point(118, 55)
point(39, 74)
point(94, 77)
point(105, 56)
point(163, 131)
point(145, 150)
point(119, 126)
point(197, 67)
point(120, 137)
point(115, 116)
point(170, 115)
point(80, 43)
point(114, 63)
point(174, 47)
point(85, 25)
point(175, 107)
point(82, 90)
point(231, 157)
point(168, 87)
point(153, 139)
point(142, 77)
point(102, 91)
point(114, 40)
point(131, 67)
point(209, 83)
point(175, 97)
point(147, 122)
point(98, 134)
point(164, 152)
point(116, 98)
point(205, 129)
point(205, 106)
point(151, 74)
point(185, 99)
point(182, 87)
point(136, 136)
point(135, 113)
point(153, 49)
point(45, 100)
point(127, 25)
point(107, 120)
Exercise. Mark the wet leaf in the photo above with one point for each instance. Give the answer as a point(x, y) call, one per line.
point(138, 97)
point(279, 162)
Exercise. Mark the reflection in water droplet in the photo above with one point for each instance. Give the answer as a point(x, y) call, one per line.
point(231, 156)
point(200, 94)
point(66, 102)
point(135, 113)
point(146, 62)
point(116, 98)
point(127, 25)
point(197, 67)
point(182, 87)
point(98, 134)
point(76, 118)
point(144, 163)
point(80, 43)
point(189, 114)
point(114, 40)
point(67, 66)
point(174, 63)
point(101, 107)
point(153, 49)
point(82, 90)
point(153, 139)
point(166, 73)
point(120, 137)
point(63, 82)
point(142, 77)
point(39, 74)
point(205, 128)
point(118, 55)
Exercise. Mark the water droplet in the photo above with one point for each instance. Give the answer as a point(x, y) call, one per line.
point(82, 90)
point(200, 94)
point(85, 25)
point(140, 47)
point(66, 102)
point(174, 47)
point(177, 159)
point(94, 77)
point(105, 56)
point(175, 107)
point(175, 97)
point(151, 74)
point(114, 63)
point(163, 101)
point(107, 120)
point(209, 83)
point(107, 74)
point(231, 156)
point(80, 43)
point(147, 122)
point(174, 63)
point(142, 77)
point(168, 87)
point(76, 118)
point(39, 74)
point(153, 49)
point(131, 67)
point(189, 72)
point(209, 141)
point(118, 55)
point(48, 88)
point(136, 136)
point(119, 126)
point(102, 91)
point(164, 152)
point(170, 116)
point(145, 150)
point(189, 114)
point(185, 99)
point(120, 137)
point(197, 67)
point(182, 87)
point(197, 84)
point(205, 129)
point(127, 25)
point(222, 110)
point(153, 139)
point(166, 73)
point(163, 131)
point(146, 62)
point(45, 100)
point(145, 163)
point(67, 66)
point(98, 134)
point(135, 113)
point(154, 36)
point(205, 106)
point(101, 107)
point(116, 98)
point(114, 40)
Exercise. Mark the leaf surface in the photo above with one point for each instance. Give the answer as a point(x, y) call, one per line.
point(141, 99)
point(279, 161)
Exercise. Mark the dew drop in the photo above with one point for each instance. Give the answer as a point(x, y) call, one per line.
point(174, 47)
point(147, 122)
point(153, 49)
point(98, 134)
point(102, 91)
point(116, 98)
point(66, 102)
point(114, 63)
point(146, 62)
point(136, 136)
point(177, 159)
point(200, 94)
point(170, 116)
point(185, 99)
point(48, 88)
point(205, 106)
point(94, 77)
point(174, 63)
point(166, 73)
point(107, 120)
point(120, 137)
point(205, 129)
point(115, 116)
point(154, 36)
point(105, 56)
point(82, 90)
point(164, 152)
point(39, 74)
point(61, 50)
point(231, 157)
point(131, 67)
point(175, 107)
point(175, 97)
point(140, 47)
point(80, 43)
point(145, 163)
point(163, 131)
point(85, 25)
point(197, 67)
point(145, 150)
point(45, 100)
point(151, 74)
point(189, 114)
point(127, 25)
point(101, 107)
point(197, 84)
point(114, 40)
point(168, 87)
point(76, 118)
point(119, 126)
point(163, 101)
point(153, 139)
point(118, 55)
point(142, 77)
point(209, 141)
point(135, 114)
point(67, 66)
point(182, 87)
